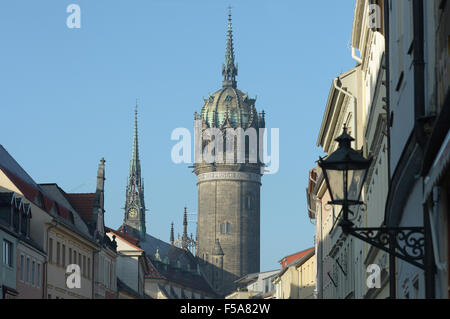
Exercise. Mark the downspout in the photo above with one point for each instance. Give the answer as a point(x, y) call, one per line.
point(392, 263)
point(45, 270)
point(354, 108)
point(355, 57)
point(419, 70)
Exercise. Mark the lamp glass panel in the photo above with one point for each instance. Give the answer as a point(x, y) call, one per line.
point(355, 182)
point(336, 184)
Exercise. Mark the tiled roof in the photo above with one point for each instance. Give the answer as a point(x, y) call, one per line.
point(32, 191)
point(48, 197)
point(127, 237)
point(83, 203)
point(153, 273)
point(8, 162)
point(288, 260)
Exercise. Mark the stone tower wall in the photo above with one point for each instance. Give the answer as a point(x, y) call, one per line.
point(232, 197)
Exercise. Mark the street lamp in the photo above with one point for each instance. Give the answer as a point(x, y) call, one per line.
point(345, 172)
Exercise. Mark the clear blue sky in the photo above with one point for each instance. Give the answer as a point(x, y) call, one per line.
point(67, 96)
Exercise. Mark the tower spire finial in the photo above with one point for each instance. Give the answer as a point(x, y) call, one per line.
point(229, 68)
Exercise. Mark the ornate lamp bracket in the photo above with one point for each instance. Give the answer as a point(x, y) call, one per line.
point(406, 243)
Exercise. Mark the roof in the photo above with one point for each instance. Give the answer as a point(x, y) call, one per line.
point(305, 257)
point(217, 251)
point(124, 287)
point(30, 189)
point(126, 237)
point(182, 277)
point(83, 203)
point(291, 259)
point(8, 162)
point(173, 264)
point(49, 197)
point(54, 192)
point(230, 107)
point(249, 278)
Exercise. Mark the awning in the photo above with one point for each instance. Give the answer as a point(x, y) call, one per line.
point(438, 169)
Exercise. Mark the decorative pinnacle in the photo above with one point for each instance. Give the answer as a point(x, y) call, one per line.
point(229, 69)
point(172, 237)
point(184, 238)
point(135, 166)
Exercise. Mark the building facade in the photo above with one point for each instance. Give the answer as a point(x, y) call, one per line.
point(293, 281)
point(399, 106)
point(418, 103)
point(254, 286)
point(368, 36)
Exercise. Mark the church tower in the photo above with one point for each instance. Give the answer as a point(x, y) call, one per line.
point(134, 219)
point(228, 240)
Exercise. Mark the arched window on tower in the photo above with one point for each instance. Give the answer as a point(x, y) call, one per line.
point(249, 201)
point(225, 228)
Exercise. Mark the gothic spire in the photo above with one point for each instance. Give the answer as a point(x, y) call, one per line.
point(172, 237)
point(135, 165)
point(229, 69)
point(184, 238)
point(134, 219)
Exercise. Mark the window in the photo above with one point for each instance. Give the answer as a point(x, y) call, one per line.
point(225, 228)
point(70, 255)
point(23, 224)
point(58, 253)
point(249, 202)
point(38, 281)
point(49, 296)
point(74, 256)
point(5, 214)
point(89, 268)
point(63, 255)
point(16, 220)
point(79, 262)
point(33, 268)
point(22, 265)
point(84, 266)
point(28, 270)
point(50, 250)
point(7, 253)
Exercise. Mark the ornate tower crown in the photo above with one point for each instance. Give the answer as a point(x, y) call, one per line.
point(230, 107)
